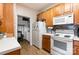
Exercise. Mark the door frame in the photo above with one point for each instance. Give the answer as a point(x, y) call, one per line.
point(16, 21)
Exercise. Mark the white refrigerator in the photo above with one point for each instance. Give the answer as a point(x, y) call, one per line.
point(39, 28)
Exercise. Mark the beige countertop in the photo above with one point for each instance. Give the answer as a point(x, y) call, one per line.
point(48, 34)
point(8, 44)
point(76, 38)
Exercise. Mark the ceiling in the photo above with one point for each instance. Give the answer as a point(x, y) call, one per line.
point(37, 6)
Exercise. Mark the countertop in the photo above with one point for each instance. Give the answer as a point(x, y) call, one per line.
point(8, 44)
point(50, 34)
point(76, 38)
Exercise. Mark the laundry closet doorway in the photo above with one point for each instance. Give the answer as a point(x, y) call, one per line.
point(23, 28)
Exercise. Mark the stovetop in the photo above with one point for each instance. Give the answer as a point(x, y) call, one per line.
point(65, 34)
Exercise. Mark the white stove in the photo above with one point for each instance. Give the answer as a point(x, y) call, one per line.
point(63, 42)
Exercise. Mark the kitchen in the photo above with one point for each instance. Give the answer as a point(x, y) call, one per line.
point(54, 28)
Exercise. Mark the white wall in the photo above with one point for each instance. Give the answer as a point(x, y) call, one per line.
point(24, 11)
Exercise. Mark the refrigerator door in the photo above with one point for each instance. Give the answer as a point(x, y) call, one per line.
point(41, 27)
point(35, 34)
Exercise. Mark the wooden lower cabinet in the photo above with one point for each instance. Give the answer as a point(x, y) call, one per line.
point(46, 43)
point(16, 52)
point(75, 47)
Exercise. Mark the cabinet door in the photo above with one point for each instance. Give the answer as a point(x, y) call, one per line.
point(1, 10)
point(9, 19)
point(58, 10)
point(43, 15)
point(2, 26)
point(74, 50)
point(39, 16)
point(77, 51)
point(76, 12)
point(68, 7)
point(46, 43)
point(76, 47)
point(52, 15)
point(48, 18)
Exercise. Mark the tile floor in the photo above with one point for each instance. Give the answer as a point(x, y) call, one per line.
point(31, 50)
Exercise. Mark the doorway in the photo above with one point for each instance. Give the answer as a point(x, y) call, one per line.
point(23, 29)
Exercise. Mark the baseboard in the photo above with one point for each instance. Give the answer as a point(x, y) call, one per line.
point(36, 46)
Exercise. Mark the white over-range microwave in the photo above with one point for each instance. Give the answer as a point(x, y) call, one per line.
point(64, 19)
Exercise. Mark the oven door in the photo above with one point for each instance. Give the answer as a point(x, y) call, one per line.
point(63, 48)
point(60, 47)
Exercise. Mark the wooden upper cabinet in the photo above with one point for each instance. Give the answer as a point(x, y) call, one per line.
point(58, 10)
point(43, 15)
point(2, 27)
point(39, 16)
point(48, 18)
point(68, 8)
point(52, 15)
point(76, 12)
point(9, 19)
point(1, 10)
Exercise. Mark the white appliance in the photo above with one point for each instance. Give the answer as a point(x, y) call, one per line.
point(63, 42)
point(39, 28)
point(64, 19)
point(26, 33)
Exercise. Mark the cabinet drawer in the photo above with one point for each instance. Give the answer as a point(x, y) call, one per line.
point(46, 37)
